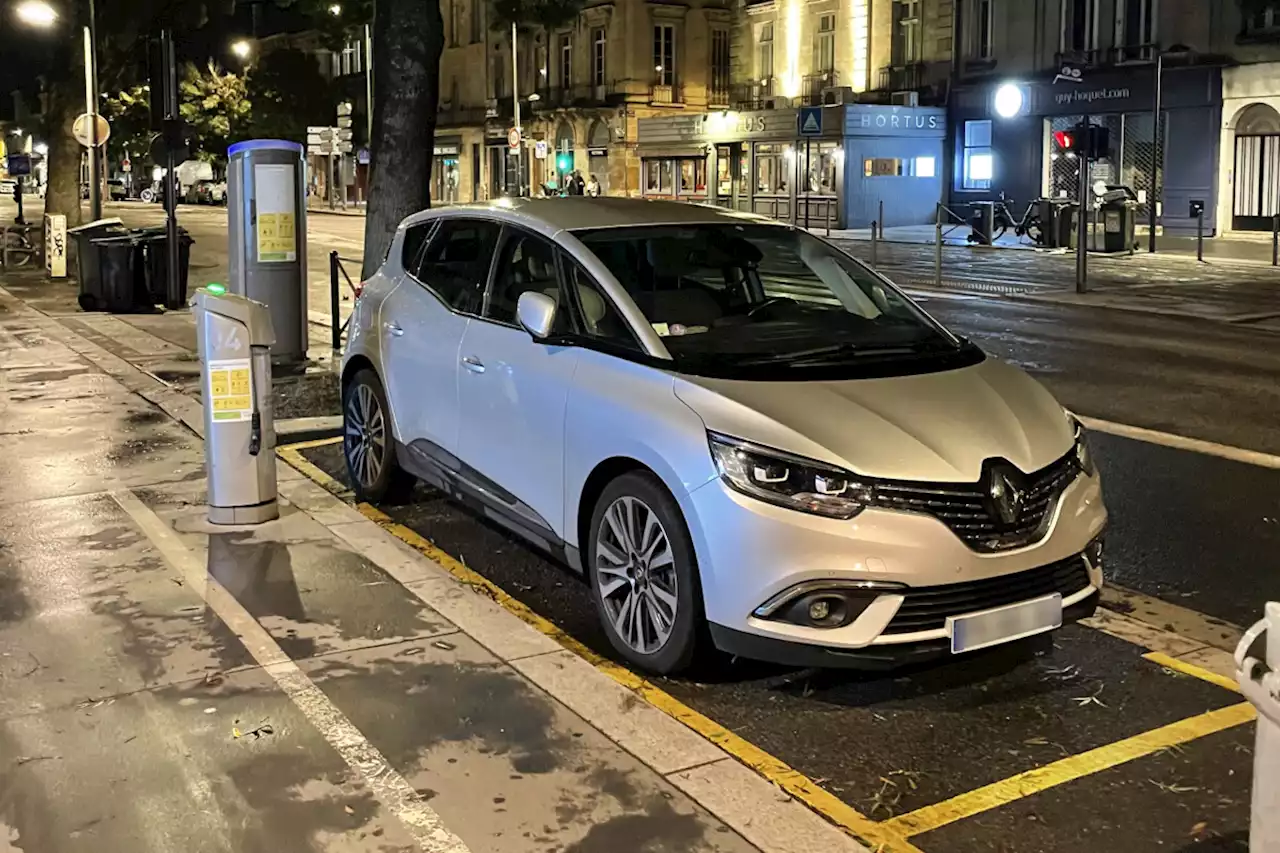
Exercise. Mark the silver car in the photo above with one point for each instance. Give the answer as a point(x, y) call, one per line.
point(739, 435)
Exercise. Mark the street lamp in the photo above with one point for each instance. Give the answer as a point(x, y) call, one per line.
point(335, 9)
point(241, 48)
point(1157, 146)
point(39, 13)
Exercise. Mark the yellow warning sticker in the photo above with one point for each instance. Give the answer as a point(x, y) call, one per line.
point(230, 389)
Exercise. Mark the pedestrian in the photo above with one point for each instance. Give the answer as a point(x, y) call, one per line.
point(579, 185)
point(593, 187)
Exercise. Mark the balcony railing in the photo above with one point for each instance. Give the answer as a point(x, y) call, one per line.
point(1132, 53)
point(1089, 57)
point(666, 94)
point(719, 96)
point(898, 78)
point(752, 95)
point(811, 86)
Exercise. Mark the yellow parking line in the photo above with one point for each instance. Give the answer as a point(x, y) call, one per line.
point(1068, 769)
point(315, 442)
point(1191, 669)
point(289, 453)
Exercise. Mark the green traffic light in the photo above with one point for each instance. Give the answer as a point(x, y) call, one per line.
point(216, 289)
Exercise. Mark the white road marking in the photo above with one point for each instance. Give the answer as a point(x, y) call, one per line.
point(387, 784)
point(1181, 442)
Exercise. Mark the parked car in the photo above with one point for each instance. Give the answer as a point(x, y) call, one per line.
point(207, 192)
point(738, 433)
point(116, 190)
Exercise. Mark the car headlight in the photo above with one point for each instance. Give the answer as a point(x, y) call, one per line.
point(790, 481)
point(1084, 456)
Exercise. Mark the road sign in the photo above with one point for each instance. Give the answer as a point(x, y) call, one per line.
point(513, 138)
point(809, 121)
point(80, 129)
point(19, 164)
point(540, 149)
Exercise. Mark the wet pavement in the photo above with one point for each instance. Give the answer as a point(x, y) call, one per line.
point(170, 686)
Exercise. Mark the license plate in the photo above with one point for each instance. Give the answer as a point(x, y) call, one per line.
point(1004, 624)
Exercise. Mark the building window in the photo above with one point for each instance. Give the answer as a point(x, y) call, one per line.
point(1263, 20)
point(824, 45)
point(979, 161)
point(477, 21)
point(597, 56)
point(983, 46)
point(1079, 26)
point(664, 54)
point(764, 55)
point(659, 177)
point(906, 32)
point(500, 71)
point(719, 91)
point(925, 167)
point(456, 17)
point(1135, 25)
point(565, 52)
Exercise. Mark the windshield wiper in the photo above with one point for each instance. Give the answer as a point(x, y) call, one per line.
point(823, 354)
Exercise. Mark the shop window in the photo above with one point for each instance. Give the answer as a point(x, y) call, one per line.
point(659, 177)
point(882, 167)
point(693, 176)
point(664, 54)
point(597, 56)
point(925, 167)
point(821, 168)
point(771, 169)
point(764, 56)
point(979, 161)
point(724, 171)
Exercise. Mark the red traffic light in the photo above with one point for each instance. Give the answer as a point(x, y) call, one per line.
point(1066, 139)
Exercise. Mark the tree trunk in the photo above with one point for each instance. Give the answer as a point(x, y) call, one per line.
point(66, 101)
point(408, 38)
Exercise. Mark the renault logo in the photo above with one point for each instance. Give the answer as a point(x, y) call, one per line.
point(1006, 497)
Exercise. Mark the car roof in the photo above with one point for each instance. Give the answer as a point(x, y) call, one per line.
point(551, 215)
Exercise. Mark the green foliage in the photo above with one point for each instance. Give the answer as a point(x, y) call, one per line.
point(337, 29)
point(130, 115)
point(213, 103)
point(288, 93)
point(531, 14)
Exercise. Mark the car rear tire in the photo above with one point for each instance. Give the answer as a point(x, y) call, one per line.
point(367, 444)
point(644, 576)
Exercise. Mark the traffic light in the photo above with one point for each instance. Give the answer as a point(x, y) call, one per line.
point(1066, 139)
point(1091, 140)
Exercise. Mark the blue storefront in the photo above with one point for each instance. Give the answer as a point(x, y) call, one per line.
point(759, 161)
point(1002, 139)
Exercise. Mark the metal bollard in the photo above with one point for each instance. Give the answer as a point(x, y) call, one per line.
point(1259, 681)
point(829, 207)
point(334, 324)
point(937, 246)
point(1200, 236)
point(874, 230)
point(1275, 240)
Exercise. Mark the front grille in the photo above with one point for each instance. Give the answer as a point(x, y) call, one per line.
point(967, 509)
point(926, 608)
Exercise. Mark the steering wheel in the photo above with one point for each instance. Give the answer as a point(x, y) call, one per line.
point(770, 302)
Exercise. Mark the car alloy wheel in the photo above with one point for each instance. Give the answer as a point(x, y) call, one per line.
point(635, 568)
point(366, 436)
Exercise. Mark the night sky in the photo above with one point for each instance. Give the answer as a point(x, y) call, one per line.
point(24, 54)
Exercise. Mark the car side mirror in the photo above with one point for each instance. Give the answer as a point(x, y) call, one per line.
point(536, 313)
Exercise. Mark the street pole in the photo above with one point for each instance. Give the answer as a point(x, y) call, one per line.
point(368, 87)
point(1155, 155)
point(91, 107)
point(1082, 236)
point(515, 97)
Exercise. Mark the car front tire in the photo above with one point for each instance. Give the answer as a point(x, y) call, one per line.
point(644, 576)
point(367, 444)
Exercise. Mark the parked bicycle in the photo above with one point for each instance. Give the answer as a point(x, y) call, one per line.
point(1026, 225)
point(17, 249)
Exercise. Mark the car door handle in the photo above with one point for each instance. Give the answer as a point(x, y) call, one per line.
point(393, 328)
point(473, 364)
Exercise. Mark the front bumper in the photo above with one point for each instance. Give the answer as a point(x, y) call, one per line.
point(749, 552)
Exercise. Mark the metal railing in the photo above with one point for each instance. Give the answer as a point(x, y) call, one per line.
point(1088, 56)
point(1132, 53)
point(812, 86)
point(666, 93)
point(338, 274)
point(753, 95)
point(897, 78)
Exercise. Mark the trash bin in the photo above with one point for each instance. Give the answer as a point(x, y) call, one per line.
point(1062, 233)
point(1118, 225)
point(156, 243)
point(87, 263)
point(121, 275)
point(1259, 679)
point(982, 222)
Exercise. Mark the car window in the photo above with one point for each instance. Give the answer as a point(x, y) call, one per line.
point(415, 237)
point(525, 263)
point(596, 316)
point(456, 262)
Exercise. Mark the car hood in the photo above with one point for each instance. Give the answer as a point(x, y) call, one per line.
point(935, 427)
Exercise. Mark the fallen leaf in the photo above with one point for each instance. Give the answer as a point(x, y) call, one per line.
point(1199, 827)
point(348, 810)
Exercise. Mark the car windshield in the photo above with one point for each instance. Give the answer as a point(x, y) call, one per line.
point(747, 300)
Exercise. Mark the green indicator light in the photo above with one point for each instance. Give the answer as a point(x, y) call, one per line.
point(216, 289)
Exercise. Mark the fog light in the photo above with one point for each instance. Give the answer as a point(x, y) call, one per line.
point(819, 610)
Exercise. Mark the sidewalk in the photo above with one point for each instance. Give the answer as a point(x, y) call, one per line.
point(306, 684)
